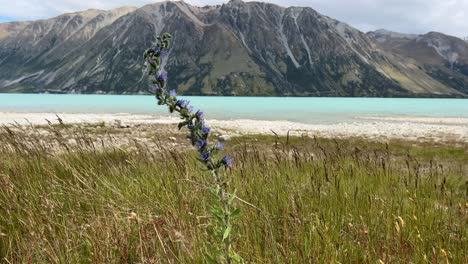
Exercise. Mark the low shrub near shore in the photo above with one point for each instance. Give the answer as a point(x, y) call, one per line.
point(305, 201)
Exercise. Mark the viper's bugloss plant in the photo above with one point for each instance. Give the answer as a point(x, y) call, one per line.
point(198, 134)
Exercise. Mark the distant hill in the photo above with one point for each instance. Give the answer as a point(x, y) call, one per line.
point(444, 58)
point(237, 48)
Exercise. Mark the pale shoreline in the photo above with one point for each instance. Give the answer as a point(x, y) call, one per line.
point(439, 129)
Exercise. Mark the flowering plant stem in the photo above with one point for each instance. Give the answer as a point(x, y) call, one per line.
point(223, 210)
point(223, 197)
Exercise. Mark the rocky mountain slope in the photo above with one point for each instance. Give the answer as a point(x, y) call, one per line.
point(444, 58)
point(234, 49)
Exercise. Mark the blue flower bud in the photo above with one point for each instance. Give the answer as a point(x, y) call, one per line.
point(157, 88)
point(200, 114)
point(205, 130)
point(201, 144)
point(219, 146)
point(205, 156)
point(193, 139)
point(227, 161)
point(162, 76)
point(182, 103)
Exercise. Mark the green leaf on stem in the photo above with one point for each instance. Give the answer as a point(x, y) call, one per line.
point(235, 212)
point(227, 232)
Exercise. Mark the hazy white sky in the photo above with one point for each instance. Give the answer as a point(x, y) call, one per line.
point(408, 16)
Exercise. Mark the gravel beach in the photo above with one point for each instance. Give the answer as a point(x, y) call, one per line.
point(437, 129)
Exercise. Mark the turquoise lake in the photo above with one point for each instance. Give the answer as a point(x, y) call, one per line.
point(305, 110)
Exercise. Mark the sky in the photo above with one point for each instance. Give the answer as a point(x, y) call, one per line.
point(406, 16)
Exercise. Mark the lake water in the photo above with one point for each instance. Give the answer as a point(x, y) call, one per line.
point(305, 110)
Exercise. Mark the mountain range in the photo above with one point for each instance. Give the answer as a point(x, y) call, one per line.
point(238, 48)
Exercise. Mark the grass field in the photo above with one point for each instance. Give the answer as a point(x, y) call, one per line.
point(311, 200)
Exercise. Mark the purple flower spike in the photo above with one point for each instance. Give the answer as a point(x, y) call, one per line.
point(162, 76)
point(194, 120)
point(205, 156)
point(219, 146)
point(227, 161)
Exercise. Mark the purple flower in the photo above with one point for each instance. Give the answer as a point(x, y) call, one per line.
point(205, 156)
point(200, 114)
point(219, 146)
point(156, 49)
point(162, 76)
point(164, 53)
point(182, 103)
point(149, 60)
point(173, 93)
point(190, 108)
point(193, 138)
point(205, 130)
point(201, 144)
point(227, 161)
point(156, 87)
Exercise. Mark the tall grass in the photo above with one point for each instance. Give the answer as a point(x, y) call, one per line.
point(306, 201)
